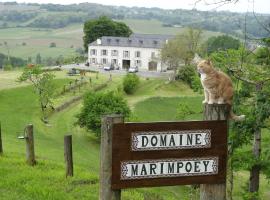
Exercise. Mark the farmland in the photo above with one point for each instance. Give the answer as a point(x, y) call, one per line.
point(28, 42)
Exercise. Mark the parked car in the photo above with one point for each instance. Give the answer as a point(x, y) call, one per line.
point(73, 72)
point(108, 67)
point(133, 69)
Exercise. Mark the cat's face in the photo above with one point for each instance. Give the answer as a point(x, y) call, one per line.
point(204, 67)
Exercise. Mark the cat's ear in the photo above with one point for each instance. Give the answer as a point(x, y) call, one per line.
point(208, 61)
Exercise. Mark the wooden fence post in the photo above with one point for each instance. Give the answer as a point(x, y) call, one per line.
point(30, 147)
point(1, 145)
point(68, 155)
point(214, 191)
point(105, 191)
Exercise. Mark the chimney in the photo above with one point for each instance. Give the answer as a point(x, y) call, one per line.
point(99, 41)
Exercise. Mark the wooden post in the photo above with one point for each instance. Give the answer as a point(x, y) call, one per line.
point(30, 147)
point(214, 191)
point(1, 145)
point(68, 155)
point(105, 191)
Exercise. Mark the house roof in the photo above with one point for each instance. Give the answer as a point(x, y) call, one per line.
point(135, 40)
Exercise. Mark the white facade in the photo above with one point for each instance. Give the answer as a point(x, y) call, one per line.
point(125, 57)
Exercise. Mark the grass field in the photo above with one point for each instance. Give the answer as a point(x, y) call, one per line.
point(38, 40)
point(153, 101)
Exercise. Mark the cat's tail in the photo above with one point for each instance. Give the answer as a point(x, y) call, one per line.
point(236, 117)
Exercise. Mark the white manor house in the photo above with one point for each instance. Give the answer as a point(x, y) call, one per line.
point(141, 50)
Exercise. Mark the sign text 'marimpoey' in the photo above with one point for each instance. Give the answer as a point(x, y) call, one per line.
point(169, 168)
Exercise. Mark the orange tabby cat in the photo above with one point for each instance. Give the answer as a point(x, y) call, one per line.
point(218, 87)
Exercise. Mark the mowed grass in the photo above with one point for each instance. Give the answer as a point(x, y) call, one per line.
point(19, 106)
point(165, 108)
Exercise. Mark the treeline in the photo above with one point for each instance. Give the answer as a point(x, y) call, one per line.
point(62, 15)
point(11, 61)
point(51, 21)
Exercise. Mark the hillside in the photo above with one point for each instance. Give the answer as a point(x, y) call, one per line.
point(59, 16)
point(47, 180)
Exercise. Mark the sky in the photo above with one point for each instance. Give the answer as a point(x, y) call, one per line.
point(261, 6)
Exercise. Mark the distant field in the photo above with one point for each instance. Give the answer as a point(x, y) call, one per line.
point(37, 40)
point(155, 27)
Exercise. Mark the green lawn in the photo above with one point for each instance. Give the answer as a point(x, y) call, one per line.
point(155, 100)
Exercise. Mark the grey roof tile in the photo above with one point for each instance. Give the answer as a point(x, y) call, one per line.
point(135, 40)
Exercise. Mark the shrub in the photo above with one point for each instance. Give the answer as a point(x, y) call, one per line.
point(130, 83)
point(53, 44)
point(189, 75)
point(8, 67)
point(97, 104)
point(183, 110)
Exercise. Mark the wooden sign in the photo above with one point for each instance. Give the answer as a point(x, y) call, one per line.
point(168, 153)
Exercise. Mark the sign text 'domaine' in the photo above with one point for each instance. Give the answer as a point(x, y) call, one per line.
point(142, 141)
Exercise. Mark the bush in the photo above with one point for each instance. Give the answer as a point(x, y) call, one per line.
point(183, 110)
point(53, 44)
point(95, 105)
point(189, 75)
point(130, 83)
point(8, 67)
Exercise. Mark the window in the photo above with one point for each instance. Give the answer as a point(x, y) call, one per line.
point(138, 63)
point(93, 52)
point(93, 60)
point(153, 55)
point(137, 54)
point(126, 54)
point(114, 61)
point(104, 61)
point(104, 52)
point(114, 53)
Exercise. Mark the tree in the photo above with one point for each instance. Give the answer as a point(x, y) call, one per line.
point(95, 105)
point(221, 43)
point(7, 46)
point(181, 49)
point(38, 59)
point(130, 83)
point(53, 44)
point(253, 99)
point(103, 26)
point(43, 85)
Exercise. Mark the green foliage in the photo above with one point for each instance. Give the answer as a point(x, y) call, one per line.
point(181, 49)
point(188, 74)
point(263, 56)
point(38, 59)
point(130, 83)
point(7, 67)
point(253, 100)
point(183, 110)
point(52, 44)
point(221, 43)
point(103, 26)
point(98, 104)
point(43, 85)
point(13, 61)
